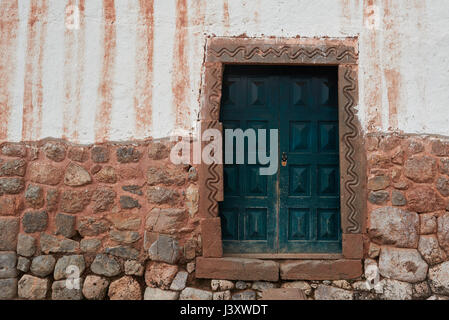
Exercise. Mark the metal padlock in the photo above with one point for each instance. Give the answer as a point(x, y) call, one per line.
point(284, 159)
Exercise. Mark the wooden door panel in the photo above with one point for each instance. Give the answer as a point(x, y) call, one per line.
point(300, 136)
point(249, 214)
point(299, 223)
point(296, 210)
point(311, 201)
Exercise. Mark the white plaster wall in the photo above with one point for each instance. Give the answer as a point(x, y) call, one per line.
point(403, 69)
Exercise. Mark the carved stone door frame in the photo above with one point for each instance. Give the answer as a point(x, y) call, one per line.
point(336, 52)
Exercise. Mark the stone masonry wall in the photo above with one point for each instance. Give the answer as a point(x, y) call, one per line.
point(104, 208)
point(408, 220)
point(126, 217)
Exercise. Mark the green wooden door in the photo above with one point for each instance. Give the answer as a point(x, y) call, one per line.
point(297, 209)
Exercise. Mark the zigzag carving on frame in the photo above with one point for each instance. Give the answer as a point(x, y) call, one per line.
point(348, 137)
point(215, 92)
point(292, 53)
point(212, 181)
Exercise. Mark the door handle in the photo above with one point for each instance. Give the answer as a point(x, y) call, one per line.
point(284, 159)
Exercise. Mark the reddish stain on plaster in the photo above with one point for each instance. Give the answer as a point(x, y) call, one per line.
point(256, 14)
point(69, 39)
point(421, 21)
point(199, 18)
point(198, 41)
point(33, 90)
point(80, 71)
point(226, 21)
point(373, 96)
point(9, 23)
point(347, 12)
point(73, 71)
point(105, 89)
point(392, 79)
point(392, 52)
point(346, 9)
point(180, 72)
point(144, 68)
point(420, 7)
